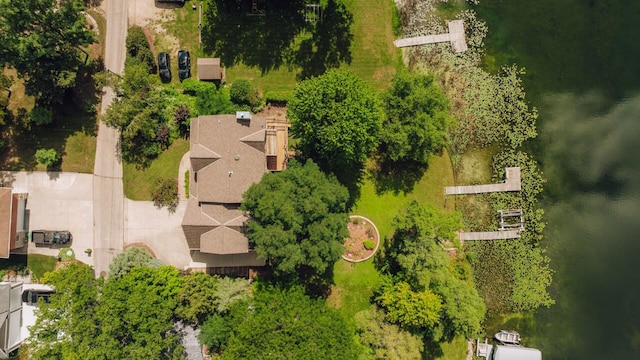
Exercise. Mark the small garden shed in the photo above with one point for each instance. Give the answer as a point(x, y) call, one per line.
point(209, 69)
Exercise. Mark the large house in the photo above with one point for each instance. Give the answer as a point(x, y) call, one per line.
point(228, 154)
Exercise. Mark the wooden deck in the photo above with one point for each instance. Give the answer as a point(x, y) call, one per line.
point(455, 36)
point(490, 235)
point(511, 183)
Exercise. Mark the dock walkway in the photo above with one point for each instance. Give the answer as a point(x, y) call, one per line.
point(490, 235)
point(455, 36)
point(511, 183)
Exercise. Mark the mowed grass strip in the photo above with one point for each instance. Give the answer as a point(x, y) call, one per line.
point(354, 285)
point(139, 183)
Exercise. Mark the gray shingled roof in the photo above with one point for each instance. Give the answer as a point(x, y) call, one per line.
point(227, 156)
point(237, 156)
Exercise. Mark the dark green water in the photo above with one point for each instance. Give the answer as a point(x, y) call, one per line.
point(583, 73)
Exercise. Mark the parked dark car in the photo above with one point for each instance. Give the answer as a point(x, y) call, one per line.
point(51, 237)
point(164, 67)
point(32, 296)
point(184, 64)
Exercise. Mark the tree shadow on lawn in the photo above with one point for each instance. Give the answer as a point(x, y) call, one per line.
point(268, 40)
point(329, 45)
point(397, 177)
point(77, 113)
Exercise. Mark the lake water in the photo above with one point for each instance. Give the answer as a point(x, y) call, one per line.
point(583, 73)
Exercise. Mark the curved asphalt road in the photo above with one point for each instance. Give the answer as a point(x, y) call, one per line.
point(108, 194)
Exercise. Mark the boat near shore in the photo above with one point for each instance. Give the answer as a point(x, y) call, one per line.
point(508, 337)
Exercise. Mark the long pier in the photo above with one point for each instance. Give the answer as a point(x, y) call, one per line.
point(489, 235)
point(455, 36)
point(511, 183)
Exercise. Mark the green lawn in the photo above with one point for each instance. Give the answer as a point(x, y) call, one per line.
point(372, 54)
point(354, 283)
point(138, 183)
point(39, 264)
point(381, 208)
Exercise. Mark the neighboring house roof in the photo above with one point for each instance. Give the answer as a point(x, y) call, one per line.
point(6, 202)
point(227, 157)
point(209, 69)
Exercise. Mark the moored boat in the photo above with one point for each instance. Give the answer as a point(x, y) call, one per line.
point(508, 337)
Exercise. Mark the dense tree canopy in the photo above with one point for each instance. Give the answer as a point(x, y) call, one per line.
point(42, 39)
point(336, 119)
point(136, 315)
point(285, 324)
point(299, 220)
point(66, 326)
point(416, 257)
point(126, 317)
point(385, 340)
point(416, 119)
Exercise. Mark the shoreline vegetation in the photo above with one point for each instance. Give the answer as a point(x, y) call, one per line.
point(494, 119)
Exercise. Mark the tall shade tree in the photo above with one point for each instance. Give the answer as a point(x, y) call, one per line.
point(384, 340)
point(42, 40)
point(416, 119)
point(415, 256)
point(337, 120)
point(287, 324)
point(65, 327)
point(299, 220)
point(136, 316)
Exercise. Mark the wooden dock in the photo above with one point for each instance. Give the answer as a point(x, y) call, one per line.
point(511, 183)
point(490, 235)
point(455, 36)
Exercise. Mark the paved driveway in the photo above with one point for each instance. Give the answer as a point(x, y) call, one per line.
point(59, 201)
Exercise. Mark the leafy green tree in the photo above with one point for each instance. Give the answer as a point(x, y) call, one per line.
point(415, 254)
point(416, 119)
point(230, 290)
point(66, 326)
point(130, 258)
point(411, 309)
point(288, 324)
point(41, 116)
point(197, 298)
point(144, 114)
point(336, 119)
point(416, 257)
point(47, 157)
point(42, 40)
point(135, 316)
point(383, 340)
point(209, 99)
point(245, 93)
point(216, 331)
point(138, 48)
point(299, 220)
point(165, 193)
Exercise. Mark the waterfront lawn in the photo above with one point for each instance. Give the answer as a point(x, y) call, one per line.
point(138, 183)
point(354, 283)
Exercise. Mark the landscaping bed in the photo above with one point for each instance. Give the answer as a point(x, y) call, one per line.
point(363, 240)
